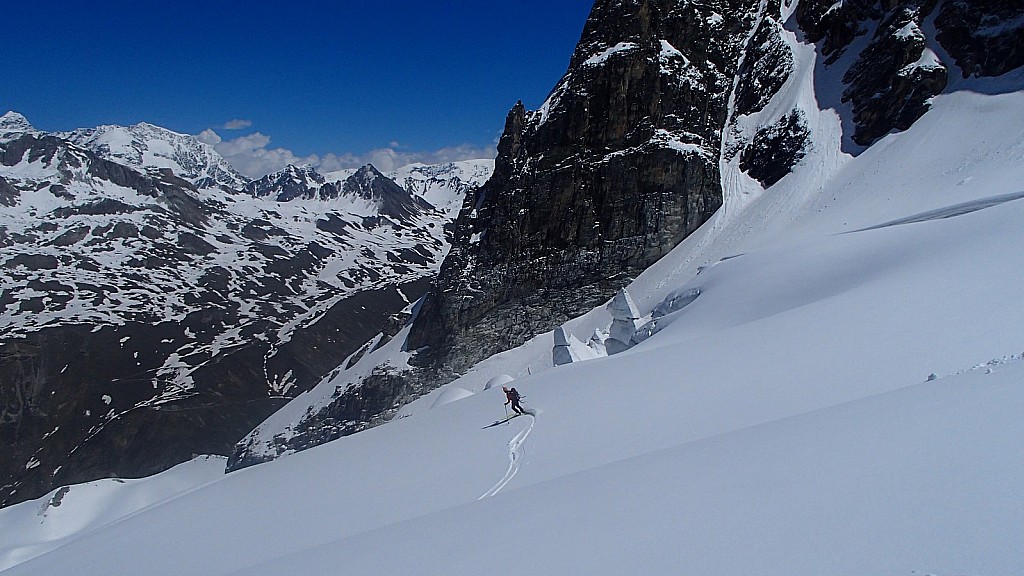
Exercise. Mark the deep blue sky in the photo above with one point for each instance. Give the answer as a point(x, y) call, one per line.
point(316, 77)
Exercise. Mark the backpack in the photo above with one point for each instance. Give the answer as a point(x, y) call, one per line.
point(515, 395)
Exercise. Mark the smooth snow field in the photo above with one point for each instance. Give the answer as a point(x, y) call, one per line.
point(844, 398)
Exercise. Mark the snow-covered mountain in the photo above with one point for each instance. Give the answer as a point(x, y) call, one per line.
point(723, 102)
point(148, 319)
point(842, 396)
point(13, 124)
point(823, 377)
point(444, 185)
point(145, 146)
point(291, 183)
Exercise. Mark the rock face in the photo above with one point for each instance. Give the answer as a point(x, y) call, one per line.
point(145, 319)
point(776, 149)
point(892, 81)
point(985, 37)
point(896, 74)
point(617, 167)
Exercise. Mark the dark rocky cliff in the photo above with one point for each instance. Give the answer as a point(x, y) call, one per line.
point(894, 76)
point(617, 168)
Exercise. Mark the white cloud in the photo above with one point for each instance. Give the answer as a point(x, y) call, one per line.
point(250, 156)
point(210, 137)
point(250, 144)
point(237, 124)
point(388, 159)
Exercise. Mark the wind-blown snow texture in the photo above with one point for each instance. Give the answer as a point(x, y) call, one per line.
point(843, 397)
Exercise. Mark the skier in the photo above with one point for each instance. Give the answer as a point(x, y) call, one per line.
point(513, 398)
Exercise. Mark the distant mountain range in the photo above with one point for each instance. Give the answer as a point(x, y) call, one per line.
point(157, 304)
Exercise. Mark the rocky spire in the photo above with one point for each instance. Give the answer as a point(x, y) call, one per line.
point(616, 168)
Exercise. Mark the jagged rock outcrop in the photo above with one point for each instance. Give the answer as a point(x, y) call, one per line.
point(893, 80)
point(776, 149)
point(767, 64)
point(894, 77)
point(617, 167)
point(985, 37)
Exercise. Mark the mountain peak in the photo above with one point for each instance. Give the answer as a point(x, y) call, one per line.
point(13, 123)
point(145, 145)
point(369, 183)
point(368, 170)
point(365, 183)
point(14, 119)
point(303, 169)
point(151, 127)
point(289, 183)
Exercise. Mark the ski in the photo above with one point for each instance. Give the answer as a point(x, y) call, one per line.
point(501, 421)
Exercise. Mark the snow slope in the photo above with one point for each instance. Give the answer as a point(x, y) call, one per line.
point(63, 515)
point(843, 398)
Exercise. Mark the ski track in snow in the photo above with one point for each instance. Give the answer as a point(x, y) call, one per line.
point(515, 457)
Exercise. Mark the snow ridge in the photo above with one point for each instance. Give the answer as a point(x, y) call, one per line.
point(145, 146)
